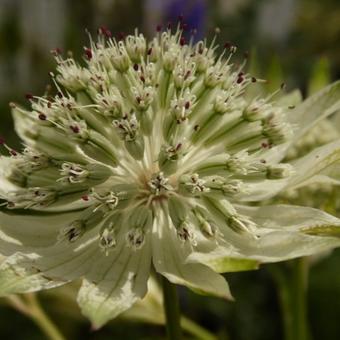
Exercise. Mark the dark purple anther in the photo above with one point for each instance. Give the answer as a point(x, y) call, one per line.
point(42, 116)
point(88, 53)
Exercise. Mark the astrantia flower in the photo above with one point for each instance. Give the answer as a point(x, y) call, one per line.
point(147, 156)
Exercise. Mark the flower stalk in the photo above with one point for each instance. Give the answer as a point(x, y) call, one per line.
point(171, 309)
point(196, 330)
point(30, 306)
point(292, 291)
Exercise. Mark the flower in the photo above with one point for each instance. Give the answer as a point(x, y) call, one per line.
point(149, 155)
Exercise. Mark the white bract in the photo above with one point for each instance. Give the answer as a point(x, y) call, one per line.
point(148, 155)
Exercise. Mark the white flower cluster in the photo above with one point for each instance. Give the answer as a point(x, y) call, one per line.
point(149, 153)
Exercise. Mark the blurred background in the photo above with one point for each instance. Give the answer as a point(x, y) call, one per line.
point(287, 40)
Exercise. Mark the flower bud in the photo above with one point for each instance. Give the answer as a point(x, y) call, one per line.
point(185, 233)
point(119, 57)
point(72, 76)
point(203, 57)
point(193, 185)
point(233, 187)
point(184, 75)
point(128, 130)
point(31, 198)
point(206, 225)
point(107, 240)
point(143, 97)
point(140, 221)
point(257, 110)
point(73, 231)
point(109, 232)
point(170, 58)
point(135, 238)
point(159, 184)
point(279, 171)
point(110, 103)
point(241, 224)
point(135, 47)
point(168, 158)
point(275, 130)
point(221, 104)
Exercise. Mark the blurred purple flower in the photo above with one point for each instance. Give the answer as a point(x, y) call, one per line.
point(194, 13)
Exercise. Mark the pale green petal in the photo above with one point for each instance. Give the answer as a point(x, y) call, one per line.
point(285, 232)
point(47, 267)
point(306, 115)
point(315, 108)
point(275, 154)
point(262, 190)
point(318, 161)
point(335, 120)
point(43, 261)
point(323, 161)
point(27, 273)
point(324, 179)
point(169, 258)
point(22, 230)
point(18, 275)
point(115, 283)
point(223, 260)
point(150, 308)
point(293, 217)
point(69, 261)
point(333, 172)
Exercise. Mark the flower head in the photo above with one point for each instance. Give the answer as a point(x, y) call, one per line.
point(148, 153)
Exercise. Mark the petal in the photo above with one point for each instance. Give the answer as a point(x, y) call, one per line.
point(18, 276)
point(320, 160)
point(286, 232)
point(169, 259)
point(332, 173)
point(306, 115)
point(223, 260)
point(48, 267)
point(43, 261)
point(68, 261)
point(26, 230)
point(115, 283)
point(262, 190)
point(150, 308)
point(315, 108)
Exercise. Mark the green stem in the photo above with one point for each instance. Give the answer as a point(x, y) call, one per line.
point(171, 308)
point(32, 308)
point(196, 330)
point(299, 293)
point(292, 290)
